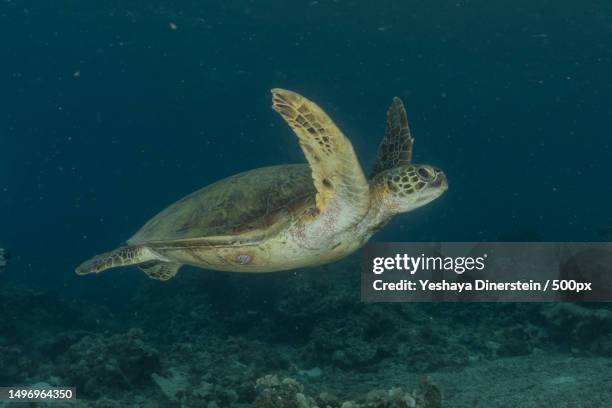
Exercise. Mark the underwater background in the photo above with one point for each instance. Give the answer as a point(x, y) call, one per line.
point(112, 110)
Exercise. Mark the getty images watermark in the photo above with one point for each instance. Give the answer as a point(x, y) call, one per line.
point(487, 272)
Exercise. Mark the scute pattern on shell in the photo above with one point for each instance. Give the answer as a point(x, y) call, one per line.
point(242, 203)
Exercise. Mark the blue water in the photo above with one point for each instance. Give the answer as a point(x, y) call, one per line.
point(109, 111)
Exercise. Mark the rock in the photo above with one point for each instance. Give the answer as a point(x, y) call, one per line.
point(172, 386)
point(288, 393)
point(427, 395)
point(204, 390)
point(314, 372)
point(274, 393)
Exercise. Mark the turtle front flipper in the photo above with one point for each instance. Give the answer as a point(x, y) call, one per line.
point(338, 178)
point(123, 256)
point(396, 147)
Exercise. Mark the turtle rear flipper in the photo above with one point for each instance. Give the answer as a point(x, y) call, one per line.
point(122, 256)
point(160, 270)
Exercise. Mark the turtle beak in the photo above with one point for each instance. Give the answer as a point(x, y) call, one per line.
point(441, 181)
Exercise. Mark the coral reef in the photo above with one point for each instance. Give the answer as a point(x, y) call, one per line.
point(16, 365)
point(273, 392)
point(583, 329)
point(209, 370)
point(99, 365)
point(287, 340)
point(37, 328)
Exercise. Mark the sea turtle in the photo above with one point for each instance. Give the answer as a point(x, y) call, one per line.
point(289, 216)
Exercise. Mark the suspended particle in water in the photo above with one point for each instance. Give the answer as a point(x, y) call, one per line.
point(173, 26)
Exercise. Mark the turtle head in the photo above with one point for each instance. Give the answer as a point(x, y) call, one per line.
point(410, 186)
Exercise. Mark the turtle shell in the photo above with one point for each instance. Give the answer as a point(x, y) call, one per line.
point(242, 203)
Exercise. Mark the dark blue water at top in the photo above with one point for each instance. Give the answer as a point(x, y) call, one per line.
point(109, 111)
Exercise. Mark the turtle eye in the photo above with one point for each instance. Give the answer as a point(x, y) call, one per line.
point(426, 174)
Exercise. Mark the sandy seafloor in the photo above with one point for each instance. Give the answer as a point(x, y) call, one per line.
point(536, 381)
